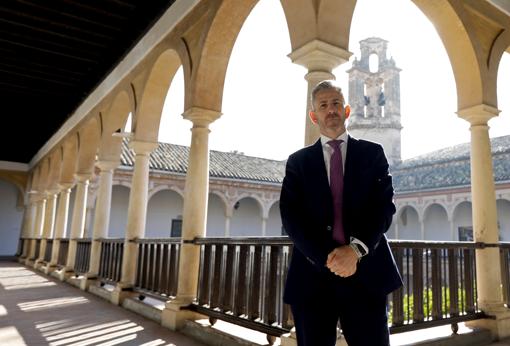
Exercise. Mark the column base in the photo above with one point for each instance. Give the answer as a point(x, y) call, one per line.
point(498, 322)
point(175, 314)
point(64, 273)
point(87, 280)
point(49, 268)
point(30, 262)
point(121, 292)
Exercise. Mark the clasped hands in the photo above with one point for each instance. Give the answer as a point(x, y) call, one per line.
point(342, 261)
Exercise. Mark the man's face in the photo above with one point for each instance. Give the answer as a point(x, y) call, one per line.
point(329, 113)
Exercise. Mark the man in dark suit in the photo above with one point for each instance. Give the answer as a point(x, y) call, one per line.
point(336, 204)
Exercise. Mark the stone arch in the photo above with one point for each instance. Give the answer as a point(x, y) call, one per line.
point(164, 208)
point(308, 20)
point(69, 159)
point(159, 188)
point(113, 120)
point(89, 136)
point(408, 223)
point(474, 45)
point(503, 207)
point(212, 56)
point(44, 174)
point(247, 217)
point(55, 169)
point(152, 97)
point(435, 221)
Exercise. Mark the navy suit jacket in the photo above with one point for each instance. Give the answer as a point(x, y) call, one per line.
point(307, 215)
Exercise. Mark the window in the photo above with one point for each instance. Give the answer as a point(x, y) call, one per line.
point(466, 233)
point(176, 230)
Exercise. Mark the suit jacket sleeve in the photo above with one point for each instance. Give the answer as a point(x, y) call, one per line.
point(382, 208)
point(310, 241)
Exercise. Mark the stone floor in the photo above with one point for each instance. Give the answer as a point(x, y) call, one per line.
point(36, 309)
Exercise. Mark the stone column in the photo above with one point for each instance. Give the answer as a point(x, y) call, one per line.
point(49, 222)
point(101, 218)
point(228, 220)
point(60, 224)
point(485, 222)
point(137, 213)
point(77, 221)
point(265, 217)
point(422, 228)
point(196, 192)
point(320, 58)
point(38, 227)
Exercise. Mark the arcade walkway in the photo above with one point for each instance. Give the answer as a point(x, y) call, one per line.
point(38, 310)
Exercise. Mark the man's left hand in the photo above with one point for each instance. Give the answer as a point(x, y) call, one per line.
point(342, 261)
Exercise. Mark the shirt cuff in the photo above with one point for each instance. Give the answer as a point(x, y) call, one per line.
point(360, 243)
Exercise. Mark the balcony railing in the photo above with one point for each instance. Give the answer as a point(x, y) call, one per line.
point(82, 259)
point(37, 248)
point(110, 263)
point(62, 252)
point(48, 250)
point(505, 271)
point(158, 266)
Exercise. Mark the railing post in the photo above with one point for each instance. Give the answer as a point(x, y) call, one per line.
point(37, 230)
point(48, 227)
point(194, 217)
point(60, 224)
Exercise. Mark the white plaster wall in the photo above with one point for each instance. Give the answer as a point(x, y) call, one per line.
point(274, 221)
point(503, 219)
point(163, 206)
point(462, 217)
point(247, 220)
point(11, 217)
point(215, 217)
point(408, 225)
point(118, 211)
point(436, 223)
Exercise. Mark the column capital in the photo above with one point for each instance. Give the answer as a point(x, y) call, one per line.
point(142, 147)
point(82, 177)
point(105, 165)
point(65, 185)
point(201, 117)
point(479, 114)
point(317, 55)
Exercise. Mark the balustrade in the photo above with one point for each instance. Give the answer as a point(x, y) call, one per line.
point(110, 263)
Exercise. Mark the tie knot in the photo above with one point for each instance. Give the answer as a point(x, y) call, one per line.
point(335, 143)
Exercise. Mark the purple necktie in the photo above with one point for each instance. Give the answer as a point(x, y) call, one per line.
point(336, 183)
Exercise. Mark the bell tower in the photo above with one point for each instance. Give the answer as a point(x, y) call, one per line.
point(374, 96)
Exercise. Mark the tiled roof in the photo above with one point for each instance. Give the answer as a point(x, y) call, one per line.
point(445, 168)
point(449, 167)
point(174, 158)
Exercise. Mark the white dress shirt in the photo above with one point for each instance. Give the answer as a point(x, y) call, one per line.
point(328, 151)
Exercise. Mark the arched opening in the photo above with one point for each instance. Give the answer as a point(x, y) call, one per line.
point(436, 223)
point(215, 217)
point(408, 224)
point(118, 211)
point(274, 221)
point(246, 219)
point(164, 215)
point(463, 222)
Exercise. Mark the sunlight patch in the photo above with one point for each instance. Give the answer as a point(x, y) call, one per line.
point(3, 311)
point(10, 336)
point(52, 303)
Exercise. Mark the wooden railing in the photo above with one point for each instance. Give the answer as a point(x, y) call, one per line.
point(62, 252)
point(110, 263)
point(47, 250)
point(37, 248)
point(505, 271)
point(439, 285)
point(82, 259)
point(241, 281)
point(158, 266)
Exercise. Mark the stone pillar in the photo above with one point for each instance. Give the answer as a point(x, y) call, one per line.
point(265, 217)
point(485, 222)
point(320, 58)
point(101, 218)
point(77, 221)
point(228, 220)
point(422, 228)
point(452, 230)
point(38, 227)
point(137, 213)
point(49, 222)
point(60, 223)
point(196, 192)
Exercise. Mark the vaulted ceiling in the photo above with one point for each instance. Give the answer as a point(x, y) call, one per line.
point(53, 54)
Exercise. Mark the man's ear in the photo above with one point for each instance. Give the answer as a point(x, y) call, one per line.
point(347, 111)
point(313, 117)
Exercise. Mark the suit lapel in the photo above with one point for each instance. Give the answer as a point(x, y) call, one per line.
point(350, 166)
point(319, 174)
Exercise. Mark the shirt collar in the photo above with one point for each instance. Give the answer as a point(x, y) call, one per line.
point(325, 139)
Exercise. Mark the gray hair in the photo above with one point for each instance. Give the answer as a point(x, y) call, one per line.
point(325, 85)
